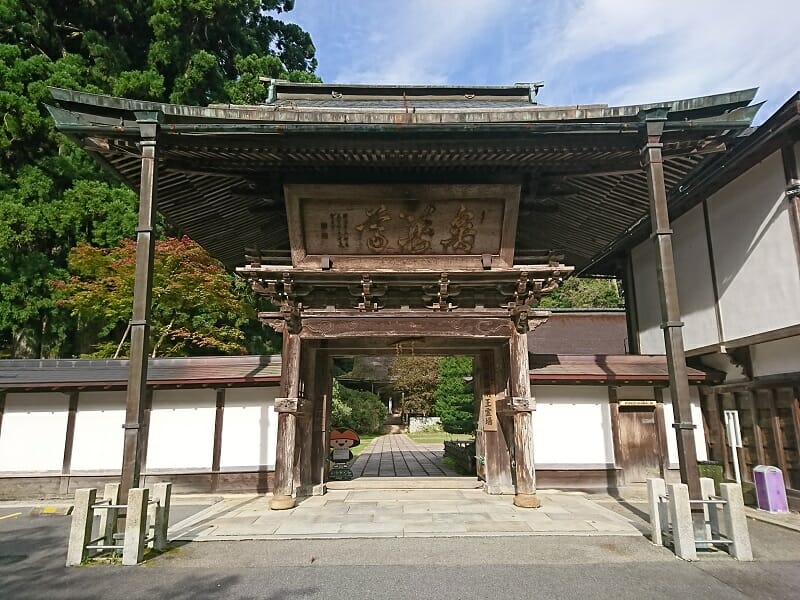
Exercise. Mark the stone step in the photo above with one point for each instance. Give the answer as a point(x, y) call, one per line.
point(407, 483)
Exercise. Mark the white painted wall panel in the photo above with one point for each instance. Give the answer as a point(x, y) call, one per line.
point(98, 441)
point(645, 279)
point(181, 429)
point(249, 430)
point(33, 433)
point(572, 426)
point(697, 419)
point(752, 236)
point(695, 288)
point(774, 358)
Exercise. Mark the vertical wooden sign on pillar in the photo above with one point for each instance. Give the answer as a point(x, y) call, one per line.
point(287, 407)
point(522, 406)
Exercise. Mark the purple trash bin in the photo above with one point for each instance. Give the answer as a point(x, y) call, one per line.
point(770, 489)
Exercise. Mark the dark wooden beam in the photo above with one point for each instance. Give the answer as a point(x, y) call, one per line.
point(668, 297)
point(69, 439)
point(287, 407)
point(661, 432)
point(143, 287)
point(613, 409)
point(216, 453)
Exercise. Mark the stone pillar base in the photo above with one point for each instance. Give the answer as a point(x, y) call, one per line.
point(527, 501)
point(281, 502)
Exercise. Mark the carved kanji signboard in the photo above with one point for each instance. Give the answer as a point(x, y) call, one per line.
point(367, 224)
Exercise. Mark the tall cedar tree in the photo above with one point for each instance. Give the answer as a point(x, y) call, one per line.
point(52, 195)
point(455, 402)
point(416, 378)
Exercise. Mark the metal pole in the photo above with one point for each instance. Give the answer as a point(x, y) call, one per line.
point(142, 291)
point(668, 295)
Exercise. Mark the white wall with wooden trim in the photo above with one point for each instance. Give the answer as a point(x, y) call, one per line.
point(97, 444)
point(648, 310)
point(33, 433)
point(776, 357)
point(695, 289)
point(697, 419)
point(181, 429)
point(572, 426)
point(249, 430)
point(754, 253)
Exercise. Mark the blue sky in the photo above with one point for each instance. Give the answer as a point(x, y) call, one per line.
point(586, 51)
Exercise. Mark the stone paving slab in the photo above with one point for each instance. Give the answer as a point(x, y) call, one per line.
point(414, 513)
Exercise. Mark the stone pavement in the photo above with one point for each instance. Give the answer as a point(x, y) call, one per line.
point(397, 455)
point(372, 513)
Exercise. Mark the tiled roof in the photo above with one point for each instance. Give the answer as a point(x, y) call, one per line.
point(580, 332)
point(163, 372)
point(602, 368)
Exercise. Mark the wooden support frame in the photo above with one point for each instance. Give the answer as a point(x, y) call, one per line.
point(661, 431)
point(670, 312)
point(287, 406)
point(616, 442)
point(149, 125)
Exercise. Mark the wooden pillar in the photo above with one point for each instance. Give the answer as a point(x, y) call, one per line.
point(148, 409)
point(303, 477)
point(287, 407)
point(631, 308)
point(321, 424)
point(616, 439)
point(69, 439)
point(216, 453)
point(670, 311)
point(498, 437)
point(661, 432)
point(2, 408)
point(522, 405)
point(143, 286)
point(777, 435)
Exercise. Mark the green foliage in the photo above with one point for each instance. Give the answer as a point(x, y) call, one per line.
point(361, 411)
point(454, 399)
point(53, 196)
point(584, 293)
point(415, 378)
point(194, 307)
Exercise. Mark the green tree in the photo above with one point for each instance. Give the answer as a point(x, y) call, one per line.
point(584, 293)
point(52, 195)
point(454, 400)
point(194, 308)
point(361, 411)
point(415, 378)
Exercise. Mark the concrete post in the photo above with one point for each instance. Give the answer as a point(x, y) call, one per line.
point(710, 511)
point(108, 518)
point(682, 523)
point(656, 488)
point(80, 533)
point(736, 522)
point(162, 492)
point(135, 526)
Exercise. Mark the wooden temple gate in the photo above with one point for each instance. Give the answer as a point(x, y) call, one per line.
point(429, 267)
point(378, 214)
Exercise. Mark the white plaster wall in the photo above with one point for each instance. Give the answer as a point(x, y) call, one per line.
point(249, 429)
point(33, 432)
point(645, 280)
point(181, 429)
point(572, 426)
point(754, 253)
point(697, 419)
point(98, 441)
point(695, 291)
point(774, 358)
point(695, 288)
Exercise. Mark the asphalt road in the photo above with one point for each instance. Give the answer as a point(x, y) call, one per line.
point(32, 551)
